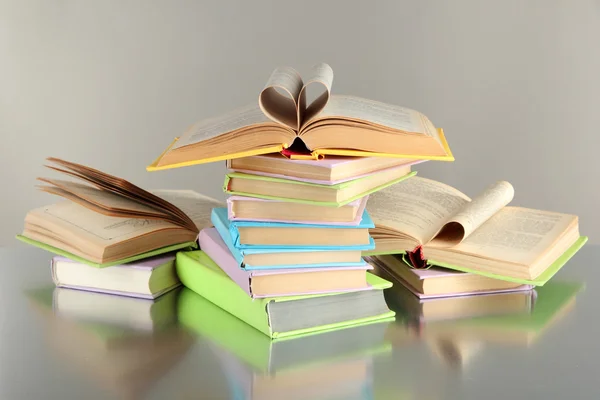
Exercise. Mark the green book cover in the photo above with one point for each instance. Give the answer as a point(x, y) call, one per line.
point(539, 281)
point(339, 186)
point(141, 256)
point(201, 274)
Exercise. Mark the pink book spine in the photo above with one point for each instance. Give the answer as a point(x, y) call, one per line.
point(320, 181)
point(231, 214)
point(212, 244)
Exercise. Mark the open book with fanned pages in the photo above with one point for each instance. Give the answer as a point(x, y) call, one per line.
point(434, 224)
point(104, 220)
point(284, 120)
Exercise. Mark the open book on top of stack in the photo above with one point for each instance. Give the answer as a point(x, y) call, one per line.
point(108, 221)
point(437, 225)
point(283, 119)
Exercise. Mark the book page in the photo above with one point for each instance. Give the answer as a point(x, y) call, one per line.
point(196, 206)
point(517, 235)
point(215, 126)
point(474, 214)
point(279, 98)
point(320, 80)
point(417, 207)
point(91, 226)
point(378, 113)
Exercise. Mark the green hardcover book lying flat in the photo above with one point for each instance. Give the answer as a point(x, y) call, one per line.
point(437, 225)
point(340, 194)
point(283, 316)
point(104, 220)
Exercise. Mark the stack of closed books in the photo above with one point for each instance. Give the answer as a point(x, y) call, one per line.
point(295, 242)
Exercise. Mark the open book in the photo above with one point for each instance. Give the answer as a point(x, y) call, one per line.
point(329, 125)
point(437, 225)
point(108, 220)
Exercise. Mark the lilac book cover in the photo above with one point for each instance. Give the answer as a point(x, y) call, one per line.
point(212, 244)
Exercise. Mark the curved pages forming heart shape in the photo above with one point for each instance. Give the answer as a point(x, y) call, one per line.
point(283, 98)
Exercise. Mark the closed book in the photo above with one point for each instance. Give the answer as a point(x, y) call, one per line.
point(278, 235)
point(148, 278)
point(439, 282)
point(289, 257)
point(329, 171)
point(244, 208)
point(282, 282)
point(283, 316)
point(453, 308)
point(266, 187)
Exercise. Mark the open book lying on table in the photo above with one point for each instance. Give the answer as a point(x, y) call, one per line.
point(108, 221)
point(437, 225)
point(329, 125)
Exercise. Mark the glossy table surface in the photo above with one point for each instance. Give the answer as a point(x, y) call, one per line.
point(44, 355)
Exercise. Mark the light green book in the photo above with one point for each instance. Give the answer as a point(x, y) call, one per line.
point(340, 194)
point(540, 280)
point(279, 317)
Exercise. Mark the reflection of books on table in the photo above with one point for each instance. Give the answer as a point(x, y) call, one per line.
point(554, 300)
point(260, 367)
point(123, 360)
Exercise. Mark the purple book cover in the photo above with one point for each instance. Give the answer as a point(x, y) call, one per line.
point(361, 203)
point(441, 273)
point(327, 163)
point(212, 244)
point(146, 264)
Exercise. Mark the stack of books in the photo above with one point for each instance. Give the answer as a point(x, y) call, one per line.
point(315, 186)
point(285, 255)
point(111, 236)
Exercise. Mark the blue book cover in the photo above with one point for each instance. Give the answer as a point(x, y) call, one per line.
point(221, 214)
point(223, 227)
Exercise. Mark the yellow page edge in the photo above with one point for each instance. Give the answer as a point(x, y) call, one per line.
point(359, 153)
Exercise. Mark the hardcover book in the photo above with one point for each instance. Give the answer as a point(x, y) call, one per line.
point(437, 225)
point(329, 171)
point(281, 235)
point(283, 316)
point(107, 221)
point(266, 187)
point(282, 282)
point(289, 257)
point(149, 278)
point(243, 208)
point(330, 125)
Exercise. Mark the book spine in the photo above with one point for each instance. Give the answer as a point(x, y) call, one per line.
point(223, 229)
point(219, 289)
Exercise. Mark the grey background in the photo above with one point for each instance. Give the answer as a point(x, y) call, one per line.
point(515, 85)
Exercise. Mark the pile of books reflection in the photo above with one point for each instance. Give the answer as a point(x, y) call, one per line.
point(125, 345)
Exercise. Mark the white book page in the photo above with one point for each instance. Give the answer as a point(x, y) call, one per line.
point(212, 127)
point(417, 207)
point(388, 115)
point(195, 205)
point(517, 235)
